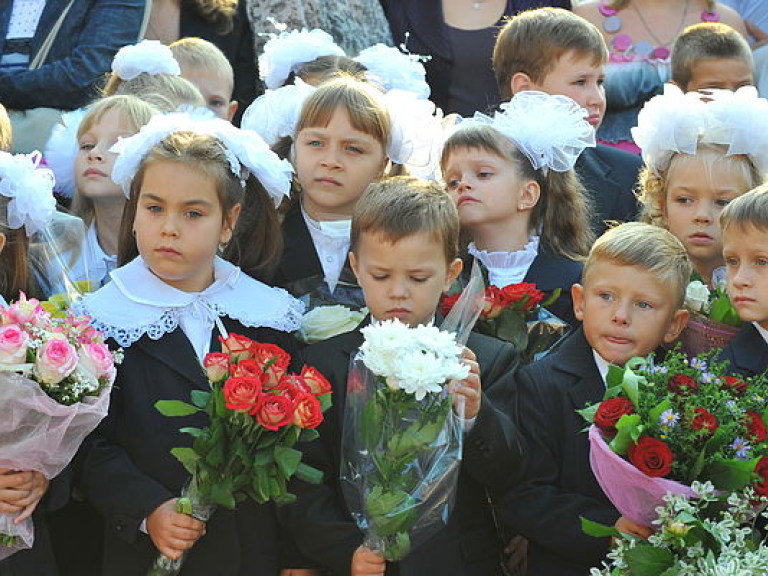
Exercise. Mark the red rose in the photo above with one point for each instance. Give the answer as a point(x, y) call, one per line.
point(494, 303)
point(315, 381)
point(307, 413)
point(247, 369)
point(609, 412)
point(761, 486)
point(682, 385)
point(242, 394)
point(216, 366)
point(273, 411)
point(516, 293)
point(238, 347)
point(448, 302)
point(275, 361)
point(292, 386)
point(756, 427)
point(651, 456)
point(703, 420)
point(735, 385)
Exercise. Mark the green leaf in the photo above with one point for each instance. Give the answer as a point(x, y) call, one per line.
point(263, 458)
point(631, 386)
point(309, 474)
point(397, 546)
point(512, 327)
point(287, 460)
point(628, 430)
point(308, 434)
point(648, 561)
point(371, 423)
point(326, 401)
point(221, 493)
point(188, 458)
point(721, 310)
point(261, 485)
point(655, 413)
point(598, 530)
point(730, 475)
point(175, 408)
point(194, 432)
point(200, 398)
point(552, 297)
point(588, 413)
point(390, 511)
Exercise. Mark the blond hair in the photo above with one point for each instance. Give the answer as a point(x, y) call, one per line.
point(562, 212)
point(196, 54)
point(221, 13)
point(654, 185)
point(648, 248)
point(749, 209)
point(164, 91)
point(533, 41)
point(706, 40)
point(403, 206)
point(6, 130)
point(621, 4)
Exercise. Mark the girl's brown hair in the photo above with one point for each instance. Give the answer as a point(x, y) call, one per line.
point(6, 130)
point(221, 13)
point(15, 274)
point(562, 212)
point(256, 243)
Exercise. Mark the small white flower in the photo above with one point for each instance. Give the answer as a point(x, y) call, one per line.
point(696, 296)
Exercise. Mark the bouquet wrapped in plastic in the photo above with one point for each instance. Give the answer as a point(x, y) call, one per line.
point(55, 378)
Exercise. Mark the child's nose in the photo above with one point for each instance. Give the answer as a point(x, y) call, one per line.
point(170, 227)
point(332, 157)
point(621, 313)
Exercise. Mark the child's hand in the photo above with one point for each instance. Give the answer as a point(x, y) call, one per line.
point(366, 562)
point(469, 388)
point(172, 532)
point(21, 492)
point(299, 572)
point(627, 526)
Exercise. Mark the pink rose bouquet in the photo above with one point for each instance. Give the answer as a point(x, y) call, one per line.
point(55, 378)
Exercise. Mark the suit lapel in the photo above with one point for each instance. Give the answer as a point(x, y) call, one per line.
point(545, 273)
point(175, 351)
point(576, 359)
point(594, 173)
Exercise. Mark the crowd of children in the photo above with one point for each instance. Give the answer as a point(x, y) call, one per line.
point(191, 228)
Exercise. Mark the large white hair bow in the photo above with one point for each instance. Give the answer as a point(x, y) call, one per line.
point(287, 51)
point(148, 56)
point(30, 189)
point(395, 70)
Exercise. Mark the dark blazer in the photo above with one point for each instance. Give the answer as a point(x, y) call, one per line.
point(558, 485)
point(129, 470)
point(236, 45)
point(468, 545)
point(37, 561)
point(550, 272)
point(610, 177)
point(747, 353)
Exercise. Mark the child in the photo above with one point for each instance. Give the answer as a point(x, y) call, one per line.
point(711, 55)
point(518, 197)
point(190, 182)
point(698, 157)
point(630, 302)
point(745, 248)
point(404, 254)
point(6, 131)
point(203, 64)
point(98, 200)
point(553, 50)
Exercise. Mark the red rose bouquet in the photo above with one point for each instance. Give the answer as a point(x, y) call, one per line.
point(662, 426)
point(55, 377)
point(257, 412)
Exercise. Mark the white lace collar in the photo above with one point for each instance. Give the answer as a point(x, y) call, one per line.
point(137, 302)
point(505, 268)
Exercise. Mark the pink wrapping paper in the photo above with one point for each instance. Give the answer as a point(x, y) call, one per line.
point(635, 495)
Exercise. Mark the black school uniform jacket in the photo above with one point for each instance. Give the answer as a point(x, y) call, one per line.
point(469, 545)
point(129, 470)
point(747, 353)
point(558, 485)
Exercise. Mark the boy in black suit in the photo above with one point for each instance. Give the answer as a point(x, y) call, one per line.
point(630, 302)
point(555, 51)
point(745, 248)
point(404, 248)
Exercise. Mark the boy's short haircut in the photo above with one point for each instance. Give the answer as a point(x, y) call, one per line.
point(748, 210)
point(196, 54)
point(706, 40)
point(402, 206)
point(648, 248)
point(534, 40)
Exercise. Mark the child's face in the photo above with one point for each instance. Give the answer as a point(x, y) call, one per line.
point(488, 190)
point(722, 73)
point(334, 165)
point(697, 192)
point(216, 90)
point(577, 76)
point(403, 280)
point(179, 224)
point(745, 249)
point(94, 161)
point(626, 311)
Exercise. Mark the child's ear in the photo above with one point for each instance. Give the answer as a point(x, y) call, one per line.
point(230, 221)
point(577, 295)
point(529, 196)
point(2, 241)
point(232, 109)
point(520, 82)
point(353, 265)
point(454, 269)
point(679, 321)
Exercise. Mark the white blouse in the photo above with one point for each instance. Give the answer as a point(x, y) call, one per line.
point(331, 240)
point(505, 268)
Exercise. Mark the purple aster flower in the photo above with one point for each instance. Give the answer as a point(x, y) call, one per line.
point(742, 448)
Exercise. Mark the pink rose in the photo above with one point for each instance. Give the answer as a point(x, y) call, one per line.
point(13, 344)
point(238, 347)
point(97, 359)
point(216, 366)
point(22, 311)
point(56, 360)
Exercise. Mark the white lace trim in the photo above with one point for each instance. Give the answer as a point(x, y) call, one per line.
point(123, 311)
point(505, 268)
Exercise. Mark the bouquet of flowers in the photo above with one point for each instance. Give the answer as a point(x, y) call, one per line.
point(663, 426)
point(55, 379)
point(707, 535)
point(327, 321)
point(257, 412)
point(401, 445)
point(517, 314)
point(713, 322)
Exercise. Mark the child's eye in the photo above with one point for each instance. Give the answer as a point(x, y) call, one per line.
point(419, 279)
point(722, 202)
point(683, 200)
point(314, 143)
point(643, 305)
point(355, 149)
point(379, 277)
point(154, 208)
point(731, 262)
point(85, 146)
point(193, 214)
point(607, 296)
point(216, 103)
point(762, 261)
point(452, 183)
point(484, 174)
